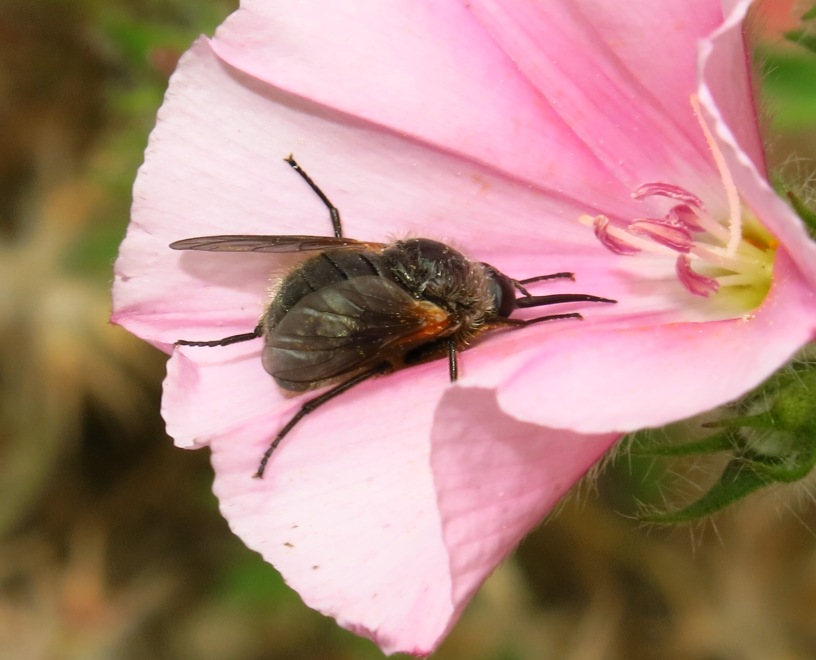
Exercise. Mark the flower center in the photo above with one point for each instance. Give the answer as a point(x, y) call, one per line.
point(713, 255)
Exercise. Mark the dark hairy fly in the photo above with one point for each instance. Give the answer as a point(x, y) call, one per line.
point(355, 309)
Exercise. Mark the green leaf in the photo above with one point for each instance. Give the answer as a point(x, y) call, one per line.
point(791, 467)
point(710, 445)
point(739, 479)
point(760, 421)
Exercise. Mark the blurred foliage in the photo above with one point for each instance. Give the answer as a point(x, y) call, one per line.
point(111, 545)
point(787, 97)
point(806, 35)
point(788, 83)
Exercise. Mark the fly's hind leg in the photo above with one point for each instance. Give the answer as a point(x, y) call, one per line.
point(312, 405)
point(333, 211)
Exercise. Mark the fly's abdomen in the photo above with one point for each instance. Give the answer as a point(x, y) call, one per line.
point(325, 269)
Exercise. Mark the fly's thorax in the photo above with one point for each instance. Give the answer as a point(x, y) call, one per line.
point(432, 271)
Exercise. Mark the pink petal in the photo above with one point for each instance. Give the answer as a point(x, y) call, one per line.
point(619, 74)
point(725, 72)
point(210, 390)
point(601, 381)
point(496, 479)
point(347, 508)
point(427, 71)
point(397, 560)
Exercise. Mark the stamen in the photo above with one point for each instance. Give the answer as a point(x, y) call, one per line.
point(736, 262)
point(661, 189)
point(710, 225)
point(734, 208)
point(613, 243)
point(673, 236)
point(714, 245)
point(718, 257)
point(697, 284)
point(686, 216)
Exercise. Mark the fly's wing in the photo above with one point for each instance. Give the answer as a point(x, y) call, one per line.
point(341, 329)
point(248, 243)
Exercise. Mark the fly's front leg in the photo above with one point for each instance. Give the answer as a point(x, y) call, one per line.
point(519, 284)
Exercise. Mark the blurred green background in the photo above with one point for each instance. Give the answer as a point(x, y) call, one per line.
point(111, 545)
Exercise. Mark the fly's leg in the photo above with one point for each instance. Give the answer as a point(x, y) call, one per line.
point(453, 364)
point(226, 341)
point(519, 284)
point(333, 211)
point(521, 323)
point(312, 405)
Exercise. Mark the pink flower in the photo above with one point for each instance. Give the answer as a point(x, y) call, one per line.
point(505, 128)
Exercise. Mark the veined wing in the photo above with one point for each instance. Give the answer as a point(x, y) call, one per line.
point(251, 243)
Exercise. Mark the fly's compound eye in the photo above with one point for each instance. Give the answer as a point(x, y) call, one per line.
point(502, 289)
